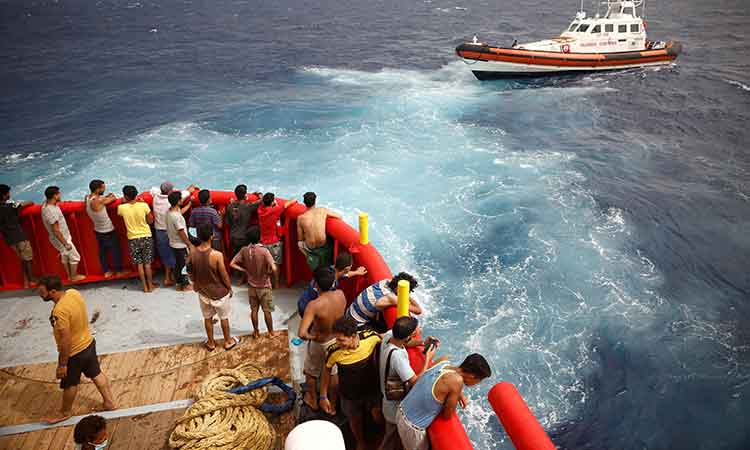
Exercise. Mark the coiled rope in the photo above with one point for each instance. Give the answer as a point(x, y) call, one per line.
point(223, 420)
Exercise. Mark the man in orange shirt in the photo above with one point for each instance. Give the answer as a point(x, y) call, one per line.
point(75, 345)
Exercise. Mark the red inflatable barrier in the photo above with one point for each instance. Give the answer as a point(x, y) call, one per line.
point(444, 434)
point(520, 424)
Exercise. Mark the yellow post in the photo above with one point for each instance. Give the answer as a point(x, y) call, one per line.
point(364, 237)
point(403, 298)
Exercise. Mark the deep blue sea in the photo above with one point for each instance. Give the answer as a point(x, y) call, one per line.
point(589, 234)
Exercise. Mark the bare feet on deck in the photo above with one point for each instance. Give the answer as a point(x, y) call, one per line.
point(77, 278)
point(310, 400)
point(256, 334)
point(274, 334)
point(57, 418)
point(108, 274)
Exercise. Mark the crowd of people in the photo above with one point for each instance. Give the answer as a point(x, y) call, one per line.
point(352, 362)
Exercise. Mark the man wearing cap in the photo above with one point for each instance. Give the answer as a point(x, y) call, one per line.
point(161, 207)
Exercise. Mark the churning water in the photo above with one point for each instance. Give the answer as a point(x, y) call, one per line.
point(589, 235)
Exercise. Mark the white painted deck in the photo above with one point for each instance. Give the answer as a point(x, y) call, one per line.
point(129, 320)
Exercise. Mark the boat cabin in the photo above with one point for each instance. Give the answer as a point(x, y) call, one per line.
point(620, 29)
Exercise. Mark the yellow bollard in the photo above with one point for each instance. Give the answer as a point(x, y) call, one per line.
point(403, 299)
point(364, 237)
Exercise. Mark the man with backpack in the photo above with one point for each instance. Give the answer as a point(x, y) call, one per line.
point(396, 374)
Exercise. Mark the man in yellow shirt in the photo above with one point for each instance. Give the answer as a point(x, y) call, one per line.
point(355, 356)
point(75, 345)
point(137, 217)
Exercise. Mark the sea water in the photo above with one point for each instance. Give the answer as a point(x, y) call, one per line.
point(588, 234)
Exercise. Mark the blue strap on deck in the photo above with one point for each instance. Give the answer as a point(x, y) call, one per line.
point(270, 407)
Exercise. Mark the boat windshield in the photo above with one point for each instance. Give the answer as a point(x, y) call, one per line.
point(573, 26)
point(583, 28)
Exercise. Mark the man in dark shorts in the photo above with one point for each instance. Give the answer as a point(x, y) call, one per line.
point(15, 237)
point(76, 347)
point(238, 215)
point(355, 355)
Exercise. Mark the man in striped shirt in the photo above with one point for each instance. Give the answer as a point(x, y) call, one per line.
point(370, 303)
point(206, 214)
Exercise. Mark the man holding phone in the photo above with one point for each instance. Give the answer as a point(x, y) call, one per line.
point(394, 365)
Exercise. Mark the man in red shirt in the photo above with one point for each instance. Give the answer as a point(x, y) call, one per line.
point(268, 217)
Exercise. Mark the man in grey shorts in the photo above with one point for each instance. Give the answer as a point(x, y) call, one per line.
point(256, 262)
point(317, 327)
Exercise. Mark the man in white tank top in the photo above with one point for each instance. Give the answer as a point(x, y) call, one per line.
point(106, 236)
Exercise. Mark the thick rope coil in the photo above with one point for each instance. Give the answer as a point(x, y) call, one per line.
point(219, 420)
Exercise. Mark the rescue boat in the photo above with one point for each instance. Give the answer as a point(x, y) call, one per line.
point(615, 40)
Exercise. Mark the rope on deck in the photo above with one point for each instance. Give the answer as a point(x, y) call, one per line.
point(220, 419)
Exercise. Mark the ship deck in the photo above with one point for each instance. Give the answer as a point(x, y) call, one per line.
point(153, 364)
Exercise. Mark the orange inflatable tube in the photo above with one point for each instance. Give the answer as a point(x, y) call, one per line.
point(520, 424)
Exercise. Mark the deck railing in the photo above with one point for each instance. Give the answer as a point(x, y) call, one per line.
point(445, 434)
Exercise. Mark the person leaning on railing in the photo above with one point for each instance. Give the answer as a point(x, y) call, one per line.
point(13, 234)
point(437, 392)
point(59, 235)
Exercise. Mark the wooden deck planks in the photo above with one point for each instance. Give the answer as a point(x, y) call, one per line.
point(137, 378)
point(143, 432)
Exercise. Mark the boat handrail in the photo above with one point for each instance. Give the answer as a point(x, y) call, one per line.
point(444, 434)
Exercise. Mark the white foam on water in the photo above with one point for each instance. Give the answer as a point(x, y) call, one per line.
point(514, 257)
point(742, 86)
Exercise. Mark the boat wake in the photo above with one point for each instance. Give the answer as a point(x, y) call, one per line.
point(493, 213)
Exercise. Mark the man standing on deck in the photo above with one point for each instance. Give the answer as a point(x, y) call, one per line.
point(394, 363)
point(367, 308)
point(15, 237)
point(59, 235)
point(311, 233)
point(160, 204)
point(317, 327)
point(354, 355)
point(179, 242)
point(206, 214)
point(257, 263)
point(137, 216)
point(106, 236)
point(269, 213)
point(238, 216)
point(437, 391)
point(211, 282)
point(75, 345)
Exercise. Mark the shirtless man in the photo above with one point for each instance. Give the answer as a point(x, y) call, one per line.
point(311, 233)
point(317, 327)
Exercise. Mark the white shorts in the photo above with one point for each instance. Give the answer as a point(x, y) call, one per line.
point(70, 256)
point(412, 437)
point(210, 307)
